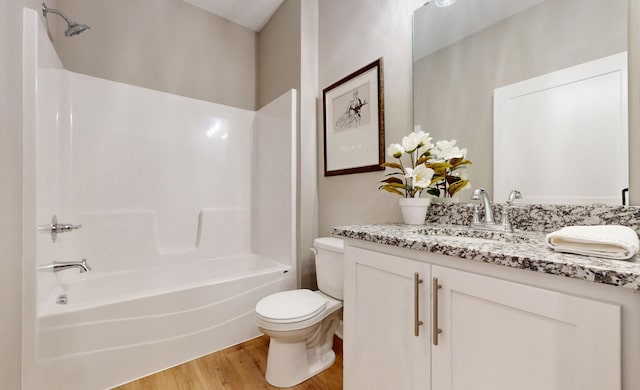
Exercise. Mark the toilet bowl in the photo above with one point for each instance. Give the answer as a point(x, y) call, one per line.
point(301, 323)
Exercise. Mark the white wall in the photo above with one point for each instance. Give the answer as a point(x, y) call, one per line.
point(351, 35)
point(11, 193)
point(166, 45)
point(279, 53)
point(288, 58)
point(308, 183)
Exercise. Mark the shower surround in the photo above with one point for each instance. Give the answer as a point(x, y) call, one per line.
point(188, 219)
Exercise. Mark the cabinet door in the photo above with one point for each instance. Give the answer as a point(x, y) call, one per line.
point(381, 349)
point(499, 335)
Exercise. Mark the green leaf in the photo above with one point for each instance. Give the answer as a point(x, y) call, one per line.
point(439, 165)
point(457, 186)
point(427, 153)
point(392, 180)
point(436, 179)
point(455, 162)
point(392, 190)
point(421, 160)
point(391, 165)
point(452, 179)
point(433, 191)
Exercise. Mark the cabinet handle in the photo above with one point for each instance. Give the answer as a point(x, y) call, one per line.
point(436, 331)
point(416, 304)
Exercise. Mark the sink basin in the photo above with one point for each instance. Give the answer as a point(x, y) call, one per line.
point(472, 236)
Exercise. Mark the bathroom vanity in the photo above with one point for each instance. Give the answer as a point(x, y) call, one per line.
point(434, 307)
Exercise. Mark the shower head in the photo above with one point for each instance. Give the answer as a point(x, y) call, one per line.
point(74, 28)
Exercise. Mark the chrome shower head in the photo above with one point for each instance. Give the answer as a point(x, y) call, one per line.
point(74, 28)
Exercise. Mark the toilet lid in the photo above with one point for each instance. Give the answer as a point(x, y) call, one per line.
point(290, 306)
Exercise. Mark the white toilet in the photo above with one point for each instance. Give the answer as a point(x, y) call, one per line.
point(301, 323)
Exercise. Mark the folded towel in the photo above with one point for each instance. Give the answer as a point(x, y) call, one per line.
point(608, 241)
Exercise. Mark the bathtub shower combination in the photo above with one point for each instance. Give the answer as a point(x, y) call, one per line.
point(187, 215)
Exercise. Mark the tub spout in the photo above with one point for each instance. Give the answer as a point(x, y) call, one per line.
point(60, 266)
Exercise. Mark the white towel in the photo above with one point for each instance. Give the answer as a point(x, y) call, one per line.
point(608, 241)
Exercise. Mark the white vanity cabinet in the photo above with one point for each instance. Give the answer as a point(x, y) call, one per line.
point(496, 333)
point(381, 349)
point(502, 335)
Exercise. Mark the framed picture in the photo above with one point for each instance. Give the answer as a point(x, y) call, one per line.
point(353, 110)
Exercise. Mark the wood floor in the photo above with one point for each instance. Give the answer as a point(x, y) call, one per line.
point(240, 367)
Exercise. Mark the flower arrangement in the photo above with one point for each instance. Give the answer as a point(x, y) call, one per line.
point(439, 169)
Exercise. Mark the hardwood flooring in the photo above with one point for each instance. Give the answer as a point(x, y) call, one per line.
point(240, 367)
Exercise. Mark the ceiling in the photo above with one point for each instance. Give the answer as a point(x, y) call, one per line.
point(253, 14)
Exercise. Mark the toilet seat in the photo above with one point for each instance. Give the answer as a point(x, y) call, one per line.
point(290, 306)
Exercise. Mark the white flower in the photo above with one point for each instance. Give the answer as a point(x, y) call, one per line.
point(411, 142)
point(446, 150)
point(425, 139)
point(416, 139)
point(421, 175)
point(409, 173)
point(395, 150)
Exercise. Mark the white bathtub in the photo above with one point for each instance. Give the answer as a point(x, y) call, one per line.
point(121, 326)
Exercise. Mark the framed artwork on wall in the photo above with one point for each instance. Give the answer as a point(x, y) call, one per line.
point(353, 110)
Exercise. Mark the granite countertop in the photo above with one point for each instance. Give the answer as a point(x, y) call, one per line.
point(524, 250)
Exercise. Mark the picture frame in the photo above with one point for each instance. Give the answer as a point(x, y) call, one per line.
point(353, 112)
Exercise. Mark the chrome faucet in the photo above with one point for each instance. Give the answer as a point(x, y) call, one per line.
point(60, 266)
point(515, 194)
point(489, 221)
point(506, 223)
point(481, 193)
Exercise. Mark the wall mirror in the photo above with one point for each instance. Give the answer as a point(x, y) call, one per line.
point(506, 79)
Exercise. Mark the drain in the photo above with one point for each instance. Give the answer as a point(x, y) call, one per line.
point(62, 299)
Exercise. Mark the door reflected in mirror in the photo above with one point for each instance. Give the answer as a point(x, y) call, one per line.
point(464, 52)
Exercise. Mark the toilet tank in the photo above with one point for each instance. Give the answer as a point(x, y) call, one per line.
point(329, 271)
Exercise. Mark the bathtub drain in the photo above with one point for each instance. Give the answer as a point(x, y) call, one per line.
point(62, 299)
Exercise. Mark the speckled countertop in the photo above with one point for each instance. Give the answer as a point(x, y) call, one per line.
point(524, 250)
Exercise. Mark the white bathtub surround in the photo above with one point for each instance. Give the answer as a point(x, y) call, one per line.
point(147, 162)
point(184, 221)
point(273, 180)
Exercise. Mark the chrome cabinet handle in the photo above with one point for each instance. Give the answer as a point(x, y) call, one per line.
point(416, 304)
point(436, 331)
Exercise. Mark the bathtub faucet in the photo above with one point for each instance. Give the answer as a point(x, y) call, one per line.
point(60, 266)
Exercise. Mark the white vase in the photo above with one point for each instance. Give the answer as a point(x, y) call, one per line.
point(414, 210)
